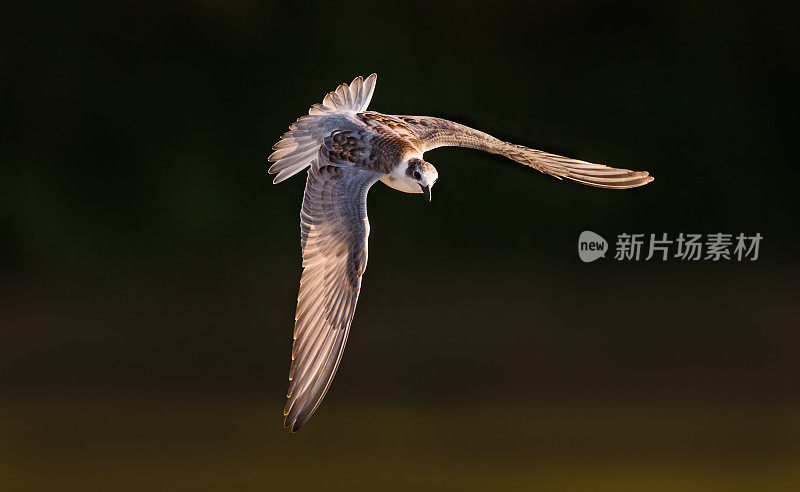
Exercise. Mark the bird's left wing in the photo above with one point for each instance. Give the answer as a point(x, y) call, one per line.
point(334, 229)
point(438, 132)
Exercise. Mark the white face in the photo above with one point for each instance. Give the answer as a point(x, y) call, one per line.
point(411, 176)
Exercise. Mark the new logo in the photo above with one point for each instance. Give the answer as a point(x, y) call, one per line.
point(591, 246)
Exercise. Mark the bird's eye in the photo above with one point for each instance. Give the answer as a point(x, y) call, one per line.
point(417, 175)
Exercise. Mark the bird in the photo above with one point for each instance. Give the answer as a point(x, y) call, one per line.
point(347, 149)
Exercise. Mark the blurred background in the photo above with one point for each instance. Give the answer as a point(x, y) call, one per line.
point(149, 268)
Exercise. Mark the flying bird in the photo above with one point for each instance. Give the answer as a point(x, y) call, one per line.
point(347, 150)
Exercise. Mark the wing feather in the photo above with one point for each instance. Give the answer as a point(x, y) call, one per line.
point(438, 132)
point(334, 230)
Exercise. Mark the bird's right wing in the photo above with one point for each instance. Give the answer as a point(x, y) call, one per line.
point(334, 230)
point(438, 132)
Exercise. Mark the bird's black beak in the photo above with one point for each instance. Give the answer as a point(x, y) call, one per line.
point(427, 191)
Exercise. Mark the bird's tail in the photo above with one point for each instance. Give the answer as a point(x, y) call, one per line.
point(299, 146)
point(295, 150)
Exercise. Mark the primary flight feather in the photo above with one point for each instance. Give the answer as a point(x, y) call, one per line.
point(348, 149)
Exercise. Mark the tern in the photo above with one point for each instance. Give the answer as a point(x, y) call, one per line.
point(347, 150)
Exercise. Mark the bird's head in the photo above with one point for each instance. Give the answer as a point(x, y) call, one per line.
point(423, 174)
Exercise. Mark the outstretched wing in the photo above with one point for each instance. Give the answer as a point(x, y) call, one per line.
point(438, 132)
point(334, 230)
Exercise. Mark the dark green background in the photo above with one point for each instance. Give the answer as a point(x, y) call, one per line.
point(148, 267)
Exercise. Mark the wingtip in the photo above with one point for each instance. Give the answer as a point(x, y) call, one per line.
point(293, 425)
point(644, 179)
